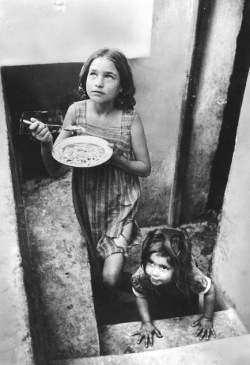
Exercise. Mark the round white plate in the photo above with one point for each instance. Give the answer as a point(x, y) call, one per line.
point(82, 151)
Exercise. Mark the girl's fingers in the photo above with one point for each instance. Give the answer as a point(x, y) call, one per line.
point(195, 323)
point(34, 120)
point(213, 332)
point(34, 123)
point(203, 333)
point(43, 132)
point(158, 333)
point(46, 136)
point(209, 332)
point(140, 339)
point(135, 333)
point(146, 340)
point(151, 340)
point(198, 332)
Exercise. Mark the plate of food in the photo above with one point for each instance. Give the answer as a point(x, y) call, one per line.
point(82, 151)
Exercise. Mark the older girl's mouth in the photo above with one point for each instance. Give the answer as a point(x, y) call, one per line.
point(97, 92)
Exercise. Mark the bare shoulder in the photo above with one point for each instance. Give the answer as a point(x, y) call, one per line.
point(137, 124)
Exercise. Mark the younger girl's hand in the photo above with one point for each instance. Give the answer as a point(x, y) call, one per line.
point(205, 328)
point(40, 132)
point(147, 332)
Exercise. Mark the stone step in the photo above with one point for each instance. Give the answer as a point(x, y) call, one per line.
point(227, 351)
point(117, 339)
point(119, 347)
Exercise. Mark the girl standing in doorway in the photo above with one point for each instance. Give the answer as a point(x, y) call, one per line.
point(106, 196)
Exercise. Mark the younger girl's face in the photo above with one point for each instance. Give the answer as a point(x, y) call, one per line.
point(158, 270)
point(103, 81)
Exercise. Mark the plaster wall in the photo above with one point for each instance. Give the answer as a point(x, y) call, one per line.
point(231, 269)
point(159, 81)
point(15, 337)
point(69, 30)
point(219, 44)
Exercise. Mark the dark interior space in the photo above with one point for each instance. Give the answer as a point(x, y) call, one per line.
point(120, 307)
point(225, 150)
point(41, 91)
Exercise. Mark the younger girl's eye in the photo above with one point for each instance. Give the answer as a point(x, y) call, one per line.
point(162, 267)
point(150, 263)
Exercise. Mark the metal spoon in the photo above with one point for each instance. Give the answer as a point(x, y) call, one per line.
point(69, 128)
point(74, 128)
point(50, 125)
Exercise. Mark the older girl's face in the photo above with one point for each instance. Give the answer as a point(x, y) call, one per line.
point(158, 270)
point(103, 81)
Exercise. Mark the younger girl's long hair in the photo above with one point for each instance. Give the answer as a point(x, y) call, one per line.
point(175, 245)
point(125, 99)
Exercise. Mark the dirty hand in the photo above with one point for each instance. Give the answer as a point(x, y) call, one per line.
point(40, 131)
point(205, 328)
point(147, 332)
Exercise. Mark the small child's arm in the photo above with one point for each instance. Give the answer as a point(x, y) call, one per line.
point(205, 323)
point(147, 329)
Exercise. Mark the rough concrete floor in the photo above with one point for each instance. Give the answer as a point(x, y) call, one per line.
point(61, 270)
point(59, 262)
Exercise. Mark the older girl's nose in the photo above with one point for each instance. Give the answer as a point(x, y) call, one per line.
point(99, 81)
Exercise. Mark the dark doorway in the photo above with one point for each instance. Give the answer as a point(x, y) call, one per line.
point(224, 153)
point(43, 91)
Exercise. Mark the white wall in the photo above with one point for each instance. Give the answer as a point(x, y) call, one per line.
point(232, 253)
point(52, 31)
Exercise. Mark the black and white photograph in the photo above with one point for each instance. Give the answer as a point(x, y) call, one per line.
point(124, 182)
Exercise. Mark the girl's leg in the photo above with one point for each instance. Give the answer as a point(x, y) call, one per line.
point(113, 275)
point(124, 238)
point(112, 270)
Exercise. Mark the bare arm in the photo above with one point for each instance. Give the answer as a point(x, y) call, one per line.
point(205, 323)
point(41, 132)
point(143, 309)
point(147, 329)
point(141, 166)
point(209, 303)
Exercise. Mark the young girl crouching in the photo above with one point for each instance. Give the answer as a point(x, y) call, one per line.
point(167, 265)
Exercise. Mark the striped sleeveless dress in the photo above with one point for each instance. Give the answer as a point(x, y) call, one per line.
point(106, 197)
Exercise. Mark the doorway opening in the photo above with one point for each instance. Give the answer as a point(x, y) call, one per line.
point(225, 150)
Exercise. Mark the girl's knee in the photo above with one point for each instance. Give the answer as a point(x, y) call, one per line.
point(111, 280)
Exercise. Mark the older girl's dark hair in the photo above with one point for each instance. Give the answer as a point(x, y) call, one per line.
point(174, 244)
point(126, 98)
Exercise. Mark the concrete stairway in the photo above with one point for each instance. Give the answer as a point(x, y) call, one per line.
point(178, 345)
point(229, 351)
point(62, 271)
point(117, 339)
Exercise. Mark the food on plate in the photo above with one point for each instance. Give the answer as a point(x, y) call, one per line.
point(82, 154)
